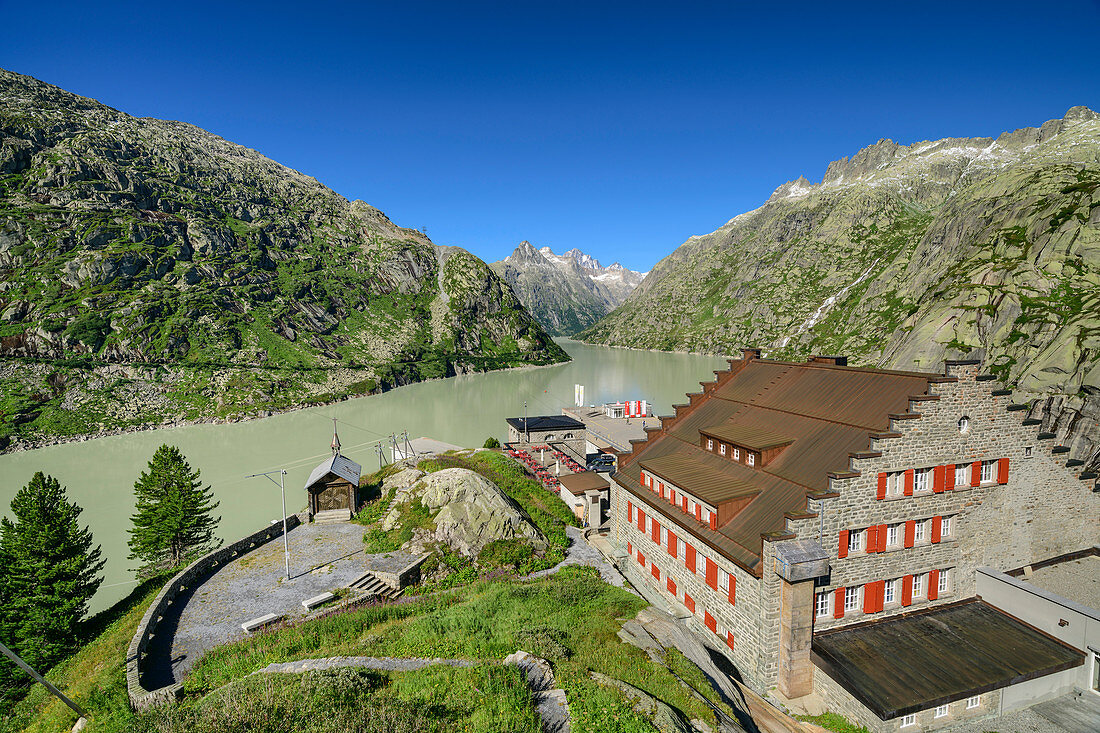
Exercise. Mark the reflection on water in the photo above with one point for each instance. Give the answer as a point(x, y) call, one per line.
point(463, 410)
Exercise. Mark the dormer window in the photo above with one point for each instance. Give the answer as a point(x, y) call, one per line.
point(722, 449)
point(758, 446)
point(710, 444)
point(752, 459)
point(737, 454)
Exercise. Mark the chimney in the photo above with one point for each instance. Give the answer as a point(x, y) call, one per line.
point(834, 360)
point(747, 354)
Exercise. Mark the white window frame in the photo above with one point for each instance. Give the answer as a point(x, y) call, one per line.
point(723, 580)
point(710, 444)
point(722, 448)
point(823, 606)
point(987, 476)
point(893, 535)
point(851, 598)
point(737, 454)
point(941, 711)
point(908, 720)
point(918, 585)
point(946, 526)
point(960, 474)
point(664, 537)
point(920, 480)
point(855, 541)
point(973, 702)
point(895, 483)
point(752, 458)
point(691, 507)
point(918, 531)
point(889, 591)
point(943, 583)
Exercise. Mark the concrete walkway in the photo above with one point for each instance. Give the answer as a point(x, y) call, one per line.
point(580, 552)
point(323, 557)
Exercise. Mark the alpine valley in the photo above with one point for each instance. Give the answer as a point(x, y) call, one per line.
point(566, 293)
point(151, 272)
point(904, 256)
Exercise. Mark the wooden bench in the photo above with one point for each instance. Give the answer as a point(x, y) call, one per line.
point(260, 622)
point(311, 603)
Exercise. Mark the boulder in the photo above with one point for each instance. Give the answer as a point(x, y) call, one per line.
point(469, 510)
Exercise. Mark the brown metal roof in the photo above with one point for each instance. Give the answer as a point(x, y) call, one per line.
point(578, 483)
point(826, 411)
point(704, 480)
point(917, 661)
point(746, 436)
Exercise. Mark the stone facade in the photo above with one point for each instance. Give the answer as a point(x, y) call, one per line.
point(1031, 506)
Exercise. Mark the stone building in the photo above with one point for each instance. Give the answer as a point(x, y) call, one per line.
point(818, 518)
point(561, 431)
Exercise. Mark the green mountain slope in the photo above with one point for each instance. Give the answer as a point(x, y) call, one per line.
point(904, 256)
point(151, 271)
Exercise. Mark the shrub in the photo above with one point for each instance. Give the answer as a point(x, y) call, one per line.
point(491, 442)
point(512, 552)
point(544, 641)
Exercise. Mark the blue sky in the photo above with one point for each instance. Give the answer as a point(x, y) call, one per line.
point(618, 128)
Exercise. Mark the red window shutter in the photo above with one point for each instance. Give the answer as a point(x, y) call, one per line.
point(629, 549)
point(910, 531)
point(882, 538)
point(712, 574)
point(881, 487)
point(733, 589)
point(907, 590)
point(949, 484)
point(729, 639)
point(842, 546)
point(689, 602)
point(656, 531)
point(838, 603)
point(872, 539)
point(713, 520)
point(936, 529)
point(710, 622)
point(641, 559)
point(934, 585)
point(869, 598)
point(909, 482)
point(976, 473)
point(655, 571)
point(1002, 471)
point(672, 497)
point(937, 479)
point(641, 520)
point(670, 585)
point(698, 512)
point(684, 503)
point(661, 488)
point(629, 508)
point(880, 594)
point(689, 558)
point(672, 544)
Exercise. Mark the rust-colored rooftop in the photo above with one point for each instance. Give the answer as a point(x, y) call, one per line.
point(824, 411)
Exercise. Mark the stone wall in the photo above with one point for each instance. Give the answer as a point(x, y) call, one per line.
point(1043, 510)
point(196, 572)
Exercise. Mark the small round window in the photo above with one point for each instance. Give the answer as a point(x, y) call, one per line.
point(964, 424)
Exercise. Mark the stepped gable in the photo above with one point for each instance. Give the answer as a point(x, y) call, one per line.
point(813, 416)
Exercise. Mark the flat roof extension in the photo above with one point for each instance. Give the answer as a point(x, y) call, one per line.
point(916, 661)
point(540, 423)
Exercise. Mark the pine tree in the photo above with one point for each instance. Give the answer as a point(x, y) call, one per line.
point(49, 570)
point(173, 521)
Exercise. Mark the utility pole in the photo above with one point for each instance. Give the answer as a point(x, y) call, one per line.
point(39, 678)
point(282, 491)
point(526, 427)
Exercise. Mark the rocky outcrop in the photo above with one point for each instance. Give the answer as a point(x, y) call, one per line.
point(468, 510)
point(142, 241)
point(565, 293)
point(904, 256)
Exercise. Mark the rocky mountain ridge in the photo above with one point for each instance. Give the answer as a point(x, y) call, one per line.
point(904, 256)
point(151, 271)
point(565, 293)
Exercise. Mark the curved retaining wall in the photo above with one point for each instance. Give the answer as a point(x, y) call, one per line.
point(196, 572)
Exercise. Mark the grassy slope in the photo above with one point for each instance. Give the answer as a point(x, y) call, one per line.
point(94, 677)
point(571, 613)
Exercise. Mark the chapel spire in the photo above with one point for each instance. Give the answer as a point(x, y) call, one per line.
point(335, 439)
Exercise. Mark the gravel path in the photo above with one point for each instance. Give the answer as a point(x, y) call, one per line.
point(580, 552)
point(392, 664)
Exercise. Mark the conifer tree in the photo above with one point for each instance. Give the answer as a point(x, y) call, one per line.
point(173, 521)
point(49, 570)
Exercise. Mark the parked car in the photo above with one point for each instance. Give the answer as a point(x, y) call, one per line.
point(602, 462)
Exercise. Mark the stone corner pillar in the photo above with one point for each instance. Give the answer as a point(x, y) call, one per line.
point(797, 563)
